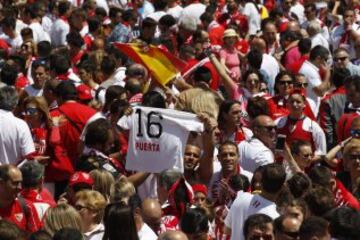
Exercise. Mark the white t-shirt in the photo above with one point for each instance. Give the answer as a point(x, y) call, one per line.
point(14, 43)
point(158, 138)
point(311, 72)
point(319, 39)
point(15, 138)
point(39, 33)
point(59, 30)
point(31, 91)
point(244, 206)
point(193, 10)
point(253, 153)
point(175, 11)
point(254, 17)
point(146, 233)
point(271, 67)
point(96, 234)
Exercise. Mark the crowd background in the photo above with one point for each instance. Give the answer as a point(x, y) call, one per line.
point(275, 83)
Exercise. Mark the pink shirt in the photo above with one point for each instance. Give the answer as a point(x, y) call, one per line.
point(232, 62)
point(291, 56)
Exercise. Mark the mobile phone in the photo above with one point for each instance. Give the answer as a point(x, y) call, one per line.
point(280, 142)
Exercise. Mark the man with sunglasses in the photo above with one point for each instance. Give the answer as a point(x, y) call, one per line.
point(342, 60)
point(287, 227)
point(259, 227)
point(258, 150)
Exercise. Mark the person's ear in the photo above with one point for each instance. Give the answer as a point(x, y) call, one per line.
point(333, 184)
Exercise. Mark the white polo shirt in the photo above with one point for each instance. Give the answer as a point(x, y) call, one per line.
point(253, 153)
point(193, 10)
point(59, 30)
point(244, 206)
point(311, 72)
point(146, 233)
point(15, 138)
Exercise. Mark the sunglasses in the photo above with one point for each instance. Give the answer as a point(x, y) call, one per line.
point(301, 85)
point(261, 237)
point(79, 207)
point(285, 82)
point(269, 128)
point(31, 111)
point(340, 58)
point(355, 133)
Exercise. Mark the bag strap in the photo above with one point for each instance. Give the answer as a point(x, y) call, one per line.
point(70, 120)
point(25, 210)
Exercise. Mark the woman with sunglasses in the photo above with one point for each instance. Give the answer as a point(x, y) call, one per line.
point(284, 84)
point(297, 126)
point(252, 80)
point(28, 51)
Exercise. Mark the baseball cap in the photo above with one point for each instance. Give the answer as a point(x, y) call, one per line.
point(84, 92)
point(81, 178)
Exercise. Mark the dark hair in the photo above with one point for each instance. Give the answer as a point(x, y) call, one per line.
point(33, 173)
point(88, 66)
point(148, 23)
point(119, 223)
point(239, 182)
point(202, 74)
point(304, 45)
point(313, 227)
point(9, 231)
point(74, 38)
point(273, 178)
point(280, 75)
point(44, 49)
point(228, 143)
point(8, 98)
point(94, 23)
point(63, 7)
point(353, 81)
point(31, 11)
point(97, 132)
point(100, 12)
point(9, 22)
point(167, 20)
point(296, 145)
point(299, 184)
point(68, 234)
point(256, 221)
point(257, 106)
point(338, 76)
point(207, 17)
point(154, 99)
point(252, 71)
point(320, 200)
point(66, 90)
point(345, 223)
point(113, 12)
point(160, 5)
point(40, 235)
point(133, 87)
point(310, 5)
point(59, 63)
point(321, 176)
point(194, 221)
point(225, 108)
point(289, 36)
point(26, 32)
point(9, 74)
point(108, 65)
point(265, 22)
point(113, 92)
point(255, 58)
point(260, 170)
point(318, 51)
point(135, 202)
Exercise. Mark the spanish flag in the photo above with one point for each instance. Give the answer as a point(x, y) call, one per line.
point(162, 65)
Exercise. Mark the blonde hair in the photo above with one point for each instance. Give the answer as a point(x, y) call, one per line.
point(94, 201)
point(102, 181)
point(41, 105)
point(61, 216)
point(121, 190)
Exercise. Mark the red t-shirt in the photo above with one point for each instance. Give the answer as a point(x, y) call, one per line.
point(14, 213)
point(70, 130)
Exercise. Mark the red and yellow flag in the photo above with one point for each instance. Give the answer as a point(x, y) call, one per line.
point(162, 65)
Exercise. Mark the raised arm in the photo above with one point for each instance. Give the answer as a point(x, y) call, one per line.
point(229, 84)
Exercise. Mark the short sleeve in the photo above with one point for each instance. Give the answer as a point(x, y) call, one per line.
point(124, 122)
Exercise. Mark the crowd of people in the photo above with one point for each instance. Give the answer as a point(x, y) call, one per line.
point(255, 137)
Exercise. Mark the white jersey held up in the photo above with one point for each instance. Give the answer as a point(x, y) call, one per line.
point(157, 138)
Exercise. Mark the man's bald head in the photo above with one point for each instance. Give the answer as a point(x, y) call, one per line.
point(259, 44)
point(151, 213)
point(264, 129)
point(173, 235)
point(261, 120)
